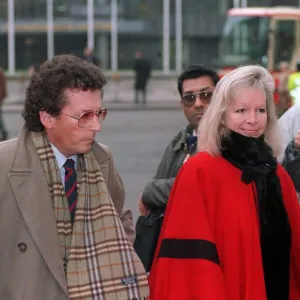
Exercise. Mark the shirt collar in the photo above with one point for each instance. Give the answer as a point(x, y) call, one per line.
point(185, 132)
point(61, 159)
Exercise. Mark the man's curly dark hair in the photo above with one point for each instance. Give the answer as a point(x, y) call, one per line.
point(46, 89)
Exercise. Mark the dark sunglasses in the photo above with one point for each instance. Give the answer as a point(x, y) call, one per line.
point(190, 99)
point(86, 118)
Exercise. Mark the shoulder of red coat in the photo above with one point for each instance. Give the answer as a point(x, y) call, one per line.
point(204, 160)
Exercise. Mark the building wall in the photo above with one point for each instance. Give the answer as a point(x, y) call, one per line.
point(140, 30)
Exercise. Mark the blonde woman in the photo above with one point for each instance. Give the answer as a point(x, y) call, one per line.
point(232, 225)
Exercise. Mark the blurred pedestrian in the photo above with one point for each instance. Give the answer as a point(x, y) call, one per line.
point(232, 225)
point(32, 69)
point(61, 198)
point(283, 77)
point(88, 54)
point(195, 86)
point(291, 160)
point(294, 85)
point(289, 124)
point(3, 95)
point(142, 69)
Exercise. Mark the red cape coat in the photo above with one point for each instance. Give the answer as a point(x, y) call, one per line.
point(209, 247)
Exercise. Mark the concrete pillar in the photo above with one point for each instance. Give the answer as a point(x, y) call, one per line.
point(102, 50)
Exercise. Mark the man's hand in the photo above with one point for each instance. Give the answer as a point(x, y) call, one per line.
point(144, 210)
point(297, 140)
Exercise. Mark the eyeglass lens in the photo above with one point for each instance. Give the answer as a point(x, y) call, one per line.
point(190, 99)
point(87, 117)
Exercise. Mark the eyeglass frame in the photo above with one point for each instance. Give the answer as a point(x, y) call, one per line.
point(94, 112)
point(197, 94)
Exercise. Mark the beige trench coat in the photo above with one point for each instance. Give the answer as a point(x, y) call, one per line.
point(31, 266)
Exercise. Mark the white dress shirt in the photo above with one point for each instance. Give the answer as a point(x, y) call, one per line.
point(61, 159)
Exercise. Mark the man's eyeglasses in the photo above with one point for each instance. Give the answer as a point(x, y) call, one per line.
point(189, 100)
point(86, 118)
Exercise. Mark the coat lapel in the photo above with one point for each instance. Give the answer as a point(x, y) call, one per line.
point(32, 195)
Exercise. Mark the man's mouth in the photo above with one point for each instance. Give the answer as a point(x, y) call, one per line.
point(200, 114)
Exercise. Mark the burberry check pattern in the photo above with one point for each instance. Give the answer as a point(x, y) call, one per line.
point(71, 186)
point(100, 261)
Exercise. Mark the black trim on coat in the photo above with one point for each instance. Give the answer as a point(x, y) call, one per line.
point(189, 249)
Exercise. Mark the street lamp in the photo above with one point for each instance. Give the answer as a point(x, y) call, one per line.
point(236, 3)
point(178, 33)
point(166, 36)
point(50, 30)
point(114, 35)
point(11, 37)
point(244, 3)
point(90, 24)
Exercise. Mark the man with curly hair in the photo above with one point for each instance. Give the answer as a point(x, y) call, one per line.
point(61, 197)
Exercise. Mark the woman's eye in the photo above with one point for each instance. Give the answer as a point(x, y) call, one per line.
point(262, 110)
point(241, 110)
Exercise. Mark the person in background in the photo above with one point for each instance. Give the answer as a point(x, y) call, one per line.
point(32, 69)
point(291, 161)
point(142, 69)
point(289, 125)
point(284, 98)
point(88, 54)
point(294, 85)
point(195, 86)
point(232, 226)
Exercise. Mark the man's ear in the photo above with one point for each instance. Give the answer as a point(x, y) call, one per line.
point(46, 119)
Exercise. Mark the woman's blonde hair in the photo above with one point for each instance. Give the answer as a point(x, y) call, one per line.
point(211, 131)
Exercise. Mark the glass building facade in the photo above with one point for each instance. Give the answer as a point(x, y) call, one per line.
point(140, 28)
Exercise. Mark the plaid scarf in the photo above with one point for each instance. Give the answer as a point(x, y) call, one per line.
point(100, 262)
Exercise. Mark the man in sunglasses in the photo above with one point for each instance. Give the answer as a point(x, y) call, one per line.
point(61, 198)
point(195, 86)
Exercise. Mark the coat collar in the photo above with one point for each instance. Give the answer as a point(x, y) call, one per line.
point(180, 140)
point(100, 154)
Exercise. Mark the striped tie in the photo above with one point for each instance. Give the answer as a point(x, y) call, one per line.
point(71, 186)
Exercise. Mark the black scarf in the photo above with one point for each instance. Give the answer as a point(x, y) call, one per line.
point(254, 158)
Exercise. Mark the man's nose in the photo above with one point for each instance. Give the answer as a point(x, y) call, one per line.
point(198, 102)
point(95, 124)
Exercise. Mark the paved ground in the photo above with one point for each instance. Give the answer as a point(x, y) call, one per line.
point(118, 95)
point(137, 139)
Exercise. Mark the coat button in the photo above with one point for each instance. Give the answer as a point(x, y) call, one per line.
point(22, 247)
